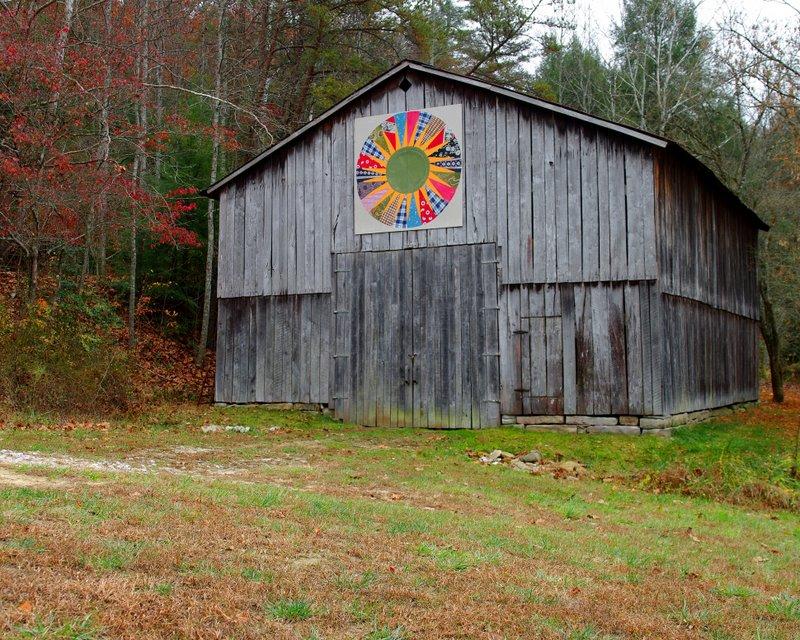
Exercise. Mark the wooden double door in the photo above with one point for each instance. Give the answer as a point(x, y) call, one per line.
point(416, 337)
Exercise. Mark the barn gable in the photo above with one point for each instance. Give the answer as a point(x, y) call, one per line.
point(578, 220)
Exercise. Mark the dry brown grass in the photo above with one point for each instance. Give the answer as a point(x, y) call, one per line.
point(379, 532)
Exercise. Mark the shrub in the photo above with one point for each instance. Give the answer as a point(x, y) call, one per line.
point(62, 355)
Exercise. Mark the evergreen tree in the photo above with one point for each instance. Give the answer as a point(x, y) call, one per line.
point(575, 75)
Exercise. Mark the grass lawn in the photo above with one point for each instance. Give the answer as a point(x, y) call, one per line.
point(308, 528)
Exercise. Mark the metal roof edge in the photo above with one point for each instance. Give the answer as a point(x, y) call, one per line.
point(405, 65)
point(213, 188)
point(452, 77)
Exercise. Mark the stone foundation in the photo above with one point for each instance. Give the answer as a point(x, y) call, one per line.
point(626, 424)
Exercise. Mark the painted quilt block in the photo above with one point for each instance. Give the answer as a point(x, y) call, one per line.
point(409, 166)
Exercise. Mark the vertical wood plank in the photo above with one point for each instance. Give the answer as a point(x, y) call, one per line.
point(539, 172)
point(617, 212)
point(221, 351)
point(225, 247)
point(561, 196)
point(568, 323)
point(601, 347)
point(300, 200)
point(635, 213)
point(573, 196)
point(509, 160)
point(633, 346)
point(498, 217)
point(487, 256)
point(524, 232)
point(590, 223)
point(584, 353)
point(603, 210)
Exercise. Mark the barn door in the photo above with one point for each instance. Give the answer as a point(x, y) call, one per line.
point(533, 356)
point(417, 337)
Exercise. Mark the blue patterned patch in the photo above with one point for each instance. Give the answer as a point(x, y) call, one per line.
point(371, 149)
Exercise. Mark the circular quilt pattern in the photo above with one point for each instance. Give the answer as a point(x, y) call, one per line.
point(408, 169)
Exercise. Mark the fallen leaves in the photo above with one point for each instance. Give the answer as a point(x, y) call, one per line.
point(67, 426)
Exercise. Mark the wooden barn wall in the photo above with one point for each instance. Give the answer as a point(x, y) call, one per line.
point(707, 252)
point(274, 349)
point(275, 225)
point(564, 201)
point(707, 249)
point(416, 335)
point(585, 349)
point(710, 356)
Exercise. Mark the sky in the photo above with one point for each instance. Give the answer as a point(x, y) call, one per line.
point(598, 15)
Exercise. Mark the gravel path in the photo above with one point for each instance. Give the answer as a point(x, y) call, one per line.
point(176, 460)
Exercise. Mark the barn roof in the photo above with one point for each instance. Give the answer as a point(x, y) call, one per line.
point(411, 65)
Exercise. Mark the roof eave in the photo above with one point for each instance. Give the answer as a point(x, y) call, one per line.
point(212, 191)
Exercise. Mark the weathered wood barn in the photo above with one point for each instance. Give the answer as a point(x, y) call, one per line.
point(438, 251)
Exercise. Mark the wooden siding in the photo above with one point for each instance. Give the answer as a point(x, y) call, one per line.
point(274, 349)
point(710, 356)
point(416, 337)
point(275, 226)
point(586, 349)
point(564, 201)
point(707, 246)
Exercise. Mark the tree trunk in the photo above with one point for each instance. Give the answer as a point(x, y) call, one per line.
point(159, 108)
point(140, 164)
point(61, 49)
point(33, 273)
point(769, 332)
point(104, 148)
point(215, 158)
point(86, 250)
point(132, 269)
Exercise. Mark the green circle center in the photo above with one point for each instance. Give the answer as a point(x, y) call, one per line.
point(407, 169)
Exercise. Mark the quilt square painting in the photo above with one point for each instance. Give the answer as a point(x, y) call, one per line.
point(408, 170)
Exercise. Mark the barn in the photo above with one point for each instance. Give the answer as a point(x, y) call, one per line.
point(438, 251)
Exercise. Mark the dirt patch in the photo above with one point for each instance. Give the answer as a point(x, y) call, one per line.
point(180, 460)
point(10, 478)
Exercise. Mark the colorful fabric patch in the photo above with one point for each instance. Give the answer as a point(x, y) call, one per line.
point(408, 170)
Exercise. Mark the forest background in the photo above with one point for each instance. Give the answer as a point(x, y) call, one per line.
point(114, 114)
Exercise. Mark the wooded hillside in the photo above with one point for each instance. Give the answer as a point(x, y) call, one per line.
point(115, 113)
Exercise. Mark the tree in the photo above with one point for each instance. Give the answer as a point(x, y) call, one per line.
point(496, 42)
point(769, 75)
point(662, 61)
point(215, 163)
point(575, 75)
